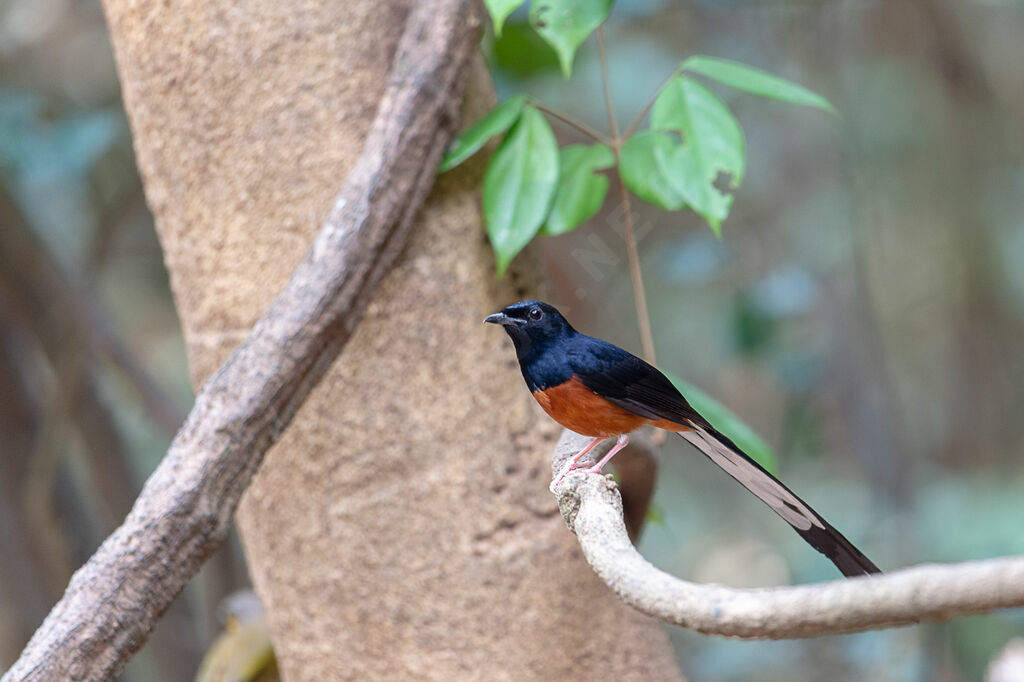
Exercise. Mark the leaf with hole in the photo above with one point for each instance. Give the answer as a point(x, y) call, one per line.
point(645, 168)
point(755, 81)
point(499, 11)
point(519, 185)
point(581, 191)
point(496, 122)
point(712, 144)
point(565, 24)
point(726, 421)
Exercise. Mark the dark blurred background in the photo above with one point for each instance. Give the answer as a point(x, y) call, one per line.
point(93, 382)
point(863, 310)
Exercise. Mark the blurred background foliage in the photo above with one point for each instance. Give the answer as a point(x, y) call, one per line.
point(863, 310)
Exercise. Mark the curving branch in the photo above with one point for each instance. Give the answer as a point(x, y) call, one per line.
point(184, 511)
point(592, 509)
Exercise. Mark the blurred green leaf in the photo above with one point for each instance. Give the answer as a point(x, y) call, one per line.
point(645, 168)
point(499, 11)
point(755, 81)
point(519, 185)
point(521, 53)
point(753, 330)
point(724, 420)
point(580, 191)
point(497, 121)
point(565, 24)
point(655, 515)
point(712, 144)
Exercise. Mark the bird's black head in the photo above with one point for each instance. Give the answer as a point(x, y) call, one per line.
point(531, 324)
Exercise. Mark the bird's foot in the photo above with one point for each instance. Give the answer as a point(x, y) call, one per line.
point(595, 469)
point(572, 466)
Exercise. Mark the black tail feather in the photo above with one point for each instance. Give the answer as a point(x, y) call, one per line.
point(808, 523)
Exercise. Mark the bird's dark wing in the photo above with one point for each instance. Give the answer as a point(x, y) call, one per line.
point(629, 382)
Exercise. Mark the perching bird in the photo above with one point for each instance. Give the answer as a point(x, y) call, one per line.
point(599, 390)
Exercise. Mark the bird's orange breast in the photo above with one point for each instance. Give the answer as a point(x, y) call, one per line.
point(579, 409)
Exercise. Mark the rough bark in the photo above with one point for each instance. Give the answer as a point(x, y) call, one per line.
point(401, 528)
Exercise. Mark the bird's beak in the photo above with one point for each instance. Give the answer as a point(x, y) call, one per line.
point(502, 319)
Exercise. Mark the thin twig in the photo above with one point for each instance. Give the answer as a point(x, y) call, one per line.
point(578, 125)
point(635, 274)
point(607, 87)
point(647, 107)
point(592, 508)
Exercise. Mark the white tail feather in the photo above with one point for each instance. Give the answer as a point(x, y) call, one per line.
point(771, 492)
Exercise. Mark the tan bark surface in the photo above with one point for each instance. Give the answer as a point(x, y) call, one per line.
point(402, 527)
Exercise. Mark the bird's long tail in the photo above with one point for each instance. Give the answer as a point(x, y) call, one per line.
point(805, 521)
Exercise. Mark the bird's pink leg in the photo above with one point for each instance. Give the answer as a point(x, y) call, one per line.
point(577, 458)
point(621, 443)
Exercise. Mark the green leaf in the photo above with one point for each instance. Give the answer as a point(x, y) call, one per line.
point(726, 421)
point(565, 24)
point(581, 191)
point(712, 144)
point(519, 185)
point(755, 81)
point(499, 11)
point(497, 121)
point(521, 54)
point(645, 168)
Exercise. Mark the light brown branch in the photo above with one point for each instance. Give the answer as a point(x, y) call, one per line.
point(592, 509)
point(606, 87)
point(185, 509)
point(635, 273)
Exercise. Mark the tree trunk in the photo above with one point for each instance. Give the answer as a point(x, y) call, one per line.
point(402, 527)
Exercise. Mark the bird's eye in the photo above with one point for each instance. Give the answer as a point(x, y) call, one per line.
point(536, 314)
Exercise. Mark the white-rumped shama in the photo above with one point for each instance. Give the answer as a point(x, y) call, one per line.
point(599, 390)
